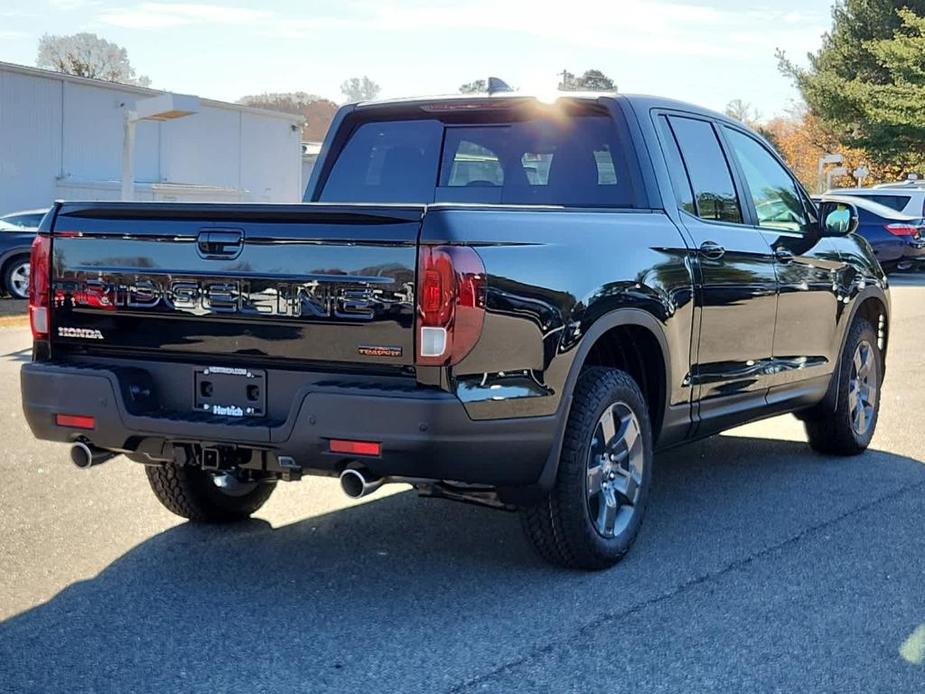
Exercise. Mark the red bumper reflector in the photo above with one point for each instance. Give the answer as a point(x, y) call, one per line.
point(75, 421)
point(355, 447)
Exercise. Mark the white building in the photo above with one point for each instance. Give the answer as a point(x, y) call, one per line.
point(310, 152)
point(61, 138)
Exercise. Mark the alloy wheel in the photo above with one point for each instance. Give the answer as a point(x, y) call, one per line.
point(615, 466)
point(862, 388)
point(19, 281)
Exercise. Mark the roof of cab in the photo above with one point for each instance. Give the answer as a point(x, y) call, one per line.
point(485, 97)
point(647, 102)
point(640, 102)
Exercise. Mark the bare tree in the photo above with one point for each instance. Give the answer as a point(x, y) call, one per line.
point(589, 81)
point(741, 111)
point(360, 89)
point(474, 87)
point(88, 55)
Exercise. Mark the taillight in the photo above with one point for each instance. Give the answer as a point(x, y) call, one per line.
point(451, 303)
point(898, 229)
point(39, 277)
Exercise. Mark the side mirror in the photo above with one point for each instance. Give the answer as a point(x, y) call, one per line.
point(837, 218)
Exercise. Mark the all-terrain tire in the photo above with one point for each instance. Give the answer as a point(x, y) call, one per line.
point(561, 527)
point(833, 432)
point(191, 493)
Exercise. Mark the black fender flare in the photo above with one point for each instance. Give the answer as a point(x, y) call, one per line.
point(870, 291)
point(828, 403)
point(619, 317)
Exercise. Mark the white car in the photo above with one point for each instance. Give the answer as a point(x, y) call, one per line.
point(26, 219)
point(905, 198)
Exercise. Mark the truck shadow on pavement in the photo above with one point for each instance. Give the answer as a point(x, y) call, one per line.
point(22, 356)
point(401, 594)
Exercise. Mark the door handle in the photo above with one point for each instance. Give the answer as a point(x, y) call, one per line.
point(712, 250)
point(783, 255)
point(220, 244)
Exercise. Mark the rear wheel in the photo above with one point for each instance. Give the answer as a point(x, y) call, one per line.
point(16, 277)
point(849, 429)
point(206, 497)
point(591, 517)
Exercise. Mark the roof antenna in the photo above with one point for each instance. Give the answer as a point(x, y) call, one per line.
point(496, 84)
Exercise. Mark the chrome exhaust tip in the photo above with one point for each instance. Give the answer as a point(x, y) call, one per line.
point(356, 484)
point(85, 455)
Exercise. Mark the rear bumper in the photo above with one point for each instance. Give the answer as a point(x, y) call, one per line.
point(897, 248)
point(915, 250)
point(424, 432)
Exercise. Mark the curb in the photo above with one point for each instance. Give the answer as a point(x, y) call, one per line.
point(14, 321)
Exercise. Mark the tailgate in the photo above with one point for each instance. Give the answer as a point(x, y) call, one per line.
point(309, 282)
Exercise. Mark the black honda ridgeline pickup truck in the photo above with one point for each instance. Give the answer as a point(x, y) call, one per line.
point(498, 300)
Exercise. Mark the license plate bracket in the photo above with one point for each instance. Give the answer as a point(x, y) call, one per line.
point(230, 391)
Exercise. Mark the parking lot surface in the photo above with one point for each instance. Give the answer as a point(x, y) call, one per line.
point(760, 567)
point(13, 307)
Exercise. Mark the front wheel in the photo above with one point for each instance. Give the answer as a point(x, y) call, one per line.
point(206, 497)
point(849, 429)
point(591, 517)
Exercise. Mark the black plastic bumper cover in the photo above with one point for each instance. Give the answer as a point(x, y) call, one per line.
point(424, 433)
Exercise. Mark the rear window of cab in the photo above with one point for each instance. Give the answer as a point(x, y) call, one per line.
point(571, 161)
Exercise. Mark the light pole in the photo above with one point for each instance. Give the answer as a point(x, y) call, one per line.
point(823, 161)
point(158, 108)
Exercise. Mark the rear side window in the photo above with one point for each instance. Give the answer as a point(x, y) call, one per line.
point(708, 171)
point(387, 162)
point(676, 171)
point(576, 161)
point(896, 202)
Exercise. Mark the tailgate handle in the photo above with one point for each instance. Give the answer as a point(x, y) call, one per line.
point(223, 244)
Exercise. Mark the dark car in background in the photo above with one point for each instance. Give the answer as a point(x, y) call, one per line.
point(898, 239)
point(15, 244)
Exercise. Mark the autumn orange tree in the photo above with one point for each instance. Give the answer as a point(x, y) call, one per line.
point(801, 139)
point(866, 83)
point(317, 112)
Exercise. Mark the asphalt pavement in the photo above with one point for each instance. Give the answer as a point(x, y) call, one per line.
point(13, 307)
point(760, 567)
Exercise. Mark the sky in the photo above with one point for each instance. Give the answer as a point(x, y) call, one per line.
point(705, 51)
